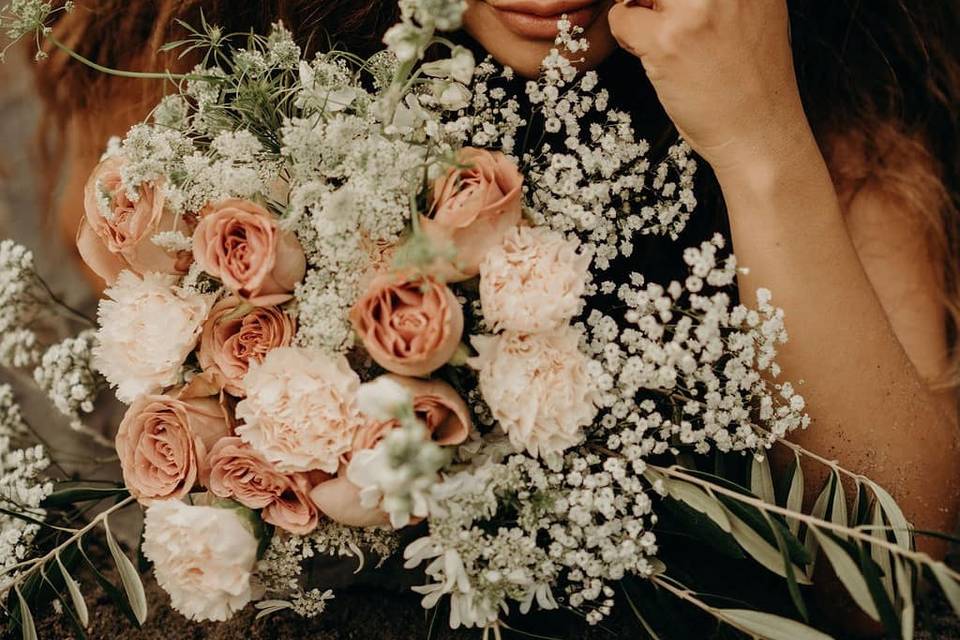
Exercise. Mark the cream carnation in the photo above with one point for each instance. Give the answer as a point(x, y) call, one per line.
point(147, 329)
point(538, 386)
point(203, 557)
point(533, 281)
point(301, 409)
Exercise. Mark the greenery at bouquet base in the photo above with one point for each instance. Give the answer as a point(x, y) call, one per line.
point(244, 119)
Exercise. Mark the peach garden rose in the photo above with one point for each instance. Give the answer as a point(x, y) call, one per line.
point(473, 205)
point(409, 326)
point(232, 340)
point(118, 227)
point(163, 442)
point(238, 471)
point(240, 243)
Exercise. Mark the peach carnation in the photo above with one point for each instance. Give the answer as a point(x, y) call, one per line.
point(539, 387)
point(300, 411)
point(533, 281)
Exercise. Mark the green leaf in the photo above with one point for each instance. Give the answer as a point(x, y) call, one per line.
point(761, 480)
point(64, 497)
point(115, 595)
point(761, 550)
point(79, 605)
point(788, 567)
point(905, 588)
point(128, 576)
point(678, 519)
point(901, 528)
point(698, 499)
point(871, 573)
point(838, 501)
point(769, 626)
point(795, 494)
point(819, 512)
point(28, 629)
point(848, 572)
point(761, 521)
point(949, 586)
point(879, 554)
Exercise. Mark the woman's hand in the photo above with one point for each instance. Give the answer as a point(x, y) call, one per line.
point(723, 70)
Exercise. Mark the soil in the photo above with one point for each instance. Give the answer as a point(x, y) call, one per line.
point(369, 612)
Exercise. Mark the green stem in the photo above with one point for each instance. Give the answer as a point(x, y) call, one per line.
point(120, 73)
point(40, 562)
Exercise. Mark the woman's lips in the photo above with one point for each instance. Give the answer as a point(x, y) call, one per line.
point(538, 20)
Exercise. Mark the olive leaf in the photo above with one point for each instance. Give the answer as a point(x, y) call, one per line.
point(904, 576)
point(79, 605)
point(27, 628)
point(819, 512)
point(761, 480)
point(769, 626)
point(880, 555)
point(848, 572)
point(698, 499)
point(949, 586)
point(761, 550)
point(901, 528)
point(129, 577)
point(795, 494)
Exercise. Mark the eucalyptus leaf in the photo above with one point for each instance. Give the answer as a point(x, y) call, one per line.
point(795, 495)
point(79, 604)
point(761, 480)
point(769, 626)
point(893, 513)
point(949, 586)
point(849, 573)
point(700, 500)
point(761, 550)
point(28, 629)
point(132, 584)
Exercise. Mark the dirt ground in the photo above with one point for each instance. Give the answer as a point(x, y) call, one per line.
point(371, 613)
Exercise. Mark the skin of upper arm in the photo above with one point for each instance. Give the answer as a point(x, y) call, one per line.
point(906, 271)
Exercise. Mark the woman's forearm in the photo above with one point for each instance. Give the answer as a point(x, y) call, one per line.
point(870, 408)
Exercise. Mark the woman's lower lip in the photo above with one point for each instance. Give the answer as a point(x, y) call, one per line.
point(537, 27)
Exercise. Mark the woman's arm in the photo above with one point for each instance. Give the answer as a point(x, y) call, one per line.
point(724, 71)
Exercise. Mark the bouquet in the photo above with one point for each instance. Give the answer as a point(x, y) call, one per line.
point(354, 310)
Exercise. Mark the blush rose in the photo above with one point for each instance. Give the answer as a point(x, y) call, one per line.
point(240, 243)
point(163, 442)
point(473, 205)
point(117, 229)
point(232, 340)
point(409, 326)
point(236, 470)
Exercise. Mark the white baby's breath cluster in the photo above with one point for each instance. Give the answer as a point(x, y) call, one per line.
point(23, 486)
point(67, 375)
point(20, 306)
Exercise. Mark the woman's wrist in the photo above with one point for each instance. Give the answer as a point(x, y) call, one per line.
point(763, 163)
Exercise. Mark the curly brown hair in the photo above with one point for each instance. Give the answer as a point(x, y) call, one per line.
point(880, 81)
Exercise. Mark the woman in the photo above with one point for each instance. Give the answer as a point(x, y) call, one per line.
point(828, 125)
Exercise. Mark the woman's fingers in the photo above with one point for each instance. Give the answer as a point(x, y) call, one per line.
point(635, 27)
